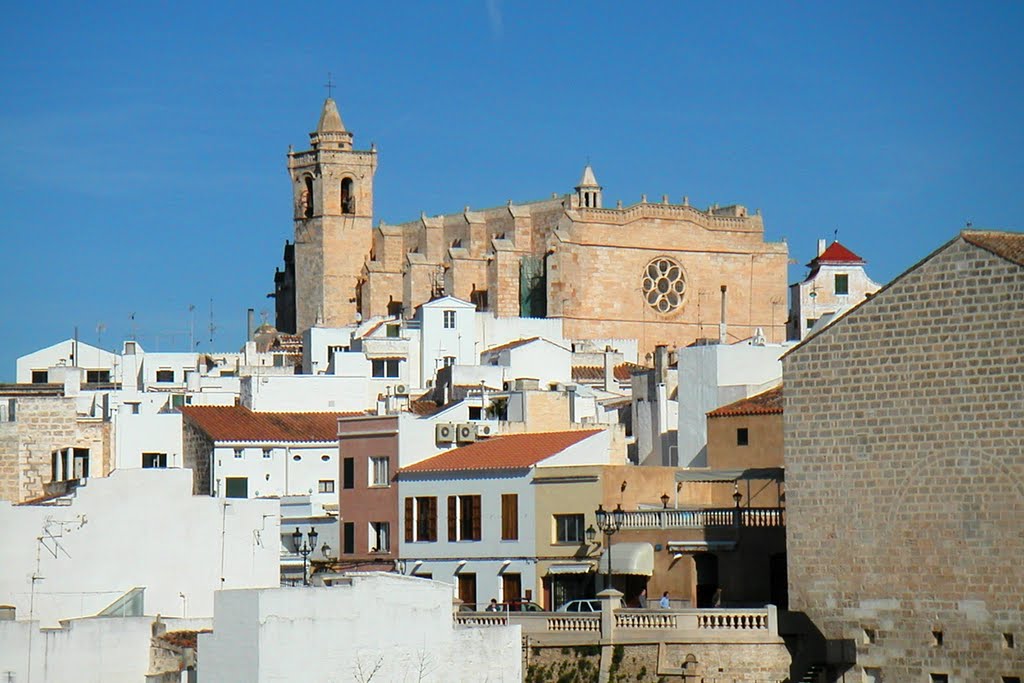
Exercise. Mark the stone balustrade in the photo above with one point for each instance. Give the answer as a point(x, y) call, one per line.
point(703, 517)
point(753, 626)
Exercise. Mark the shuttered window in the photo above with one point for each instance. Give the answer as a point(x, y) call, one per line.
point(509, 517)
point(420, 519)
point(463, 518)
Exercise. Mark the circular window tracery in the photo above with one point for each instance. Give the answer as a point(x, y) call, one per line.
point(663, 285)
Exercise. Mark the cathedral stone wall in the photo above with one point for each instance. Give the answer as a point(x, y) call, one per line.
point(905, 475)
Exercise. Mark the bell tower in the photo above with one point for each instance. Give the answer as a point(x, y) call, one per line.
point(332, 186)
point(588, 192)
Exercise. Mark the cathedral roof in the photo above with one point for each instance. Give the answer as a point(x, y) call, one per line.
point(588, 179)
point(838, 254)
point(330, 118)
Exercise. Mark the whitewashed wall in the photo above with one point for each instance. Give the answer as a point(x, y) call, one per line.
point(291, 469)
point(101, 650)
point(135, 528)
point(308, 393)
point(89, 356)
point(400, 626)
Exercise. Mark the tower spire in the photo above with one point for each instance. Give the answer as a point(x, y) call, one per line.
point(588, 192)
point(330, 131)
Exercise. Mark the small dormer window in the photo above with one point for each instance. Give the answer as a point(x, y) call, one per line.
point(449, 320)
point(842, 282)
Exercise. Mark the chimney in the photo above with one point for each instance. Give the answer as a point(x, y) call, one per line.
point(821, 247)
point(609, 369)
point(723, 337)
point(251, 325)
point(660, 363)
point(571, 394)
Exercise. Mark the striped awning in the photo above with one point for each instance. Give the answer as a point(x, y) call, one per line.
point(571, 568)
point(629, 558)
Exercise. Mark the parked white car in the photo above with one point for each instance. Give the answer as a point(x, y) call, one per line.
point(589, 605)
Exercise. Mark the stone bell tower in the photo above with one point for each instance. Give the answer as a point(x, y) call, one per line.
point(332, 185)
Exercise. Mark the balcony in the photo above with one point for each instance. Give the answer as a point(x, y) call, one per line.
point(703, 518)
point(385, 347)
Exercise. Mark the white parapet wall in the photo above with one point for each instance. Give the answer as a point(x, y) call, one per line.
point(378, 626)
point(134, 529)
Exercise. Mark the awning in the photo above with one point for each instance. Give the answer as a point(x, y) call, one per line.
point(709, 475)
point(629, 558)
point(571, 568)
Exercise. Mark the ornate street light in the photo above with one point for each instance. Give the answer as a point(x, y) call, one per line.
point(609, 524)
point(304, 547)
point(664, 501)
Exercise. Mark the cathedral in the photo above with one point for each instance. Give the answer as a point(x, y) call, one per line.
point(657, 272)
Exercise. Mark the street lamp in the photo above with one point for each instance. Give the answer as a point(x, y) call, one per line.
point(609, 523)
point(304, 547)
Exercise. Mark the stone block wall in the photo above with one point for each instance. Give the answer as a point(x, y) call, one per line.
point(904, 458)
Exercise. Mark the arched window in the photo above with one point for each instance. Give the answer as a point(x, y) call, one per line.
point(307, 198)
point(348, 198)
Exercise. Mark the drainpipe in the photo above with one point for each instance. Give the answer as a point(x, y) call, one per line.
point(723, 337)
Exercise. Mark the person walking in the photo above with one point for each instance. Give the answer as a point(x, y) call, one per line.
point(664, 603)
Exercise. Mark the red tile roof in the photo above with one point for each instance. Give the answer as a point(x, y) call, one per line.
point(836, 253)
point(589, 373)
point(511, 345)
point(238, 423)
point(766, 403)
point(512, 451)
point(1009, 245)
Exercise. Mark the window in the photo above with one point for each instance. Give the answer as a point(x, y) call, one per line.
point(842, 283)
point(150, 460)
point(384, 367)
point(1008, 641)
point(467, 590)
point(463, 518)
point(331, 350)
point(939, 678)
point(1011, 679)
point(380, 537)
point(40, 376)
point(348, 544)
point(165, 375)
point(307, 198)
point(869, 636)
point(449, 361)
point(394, 331)
point(449, 320)
point(239, 452)
point(94, 376)
point(509, 517)
point(420, 519)
point(326, 486)
point(810, 322)
point(936, 638)
point(348, 473)
point(742, 437)
point(475, 413)
point(380, 471)
point(348, 198)
point(569, 528)
point(236, 487)
point(134, 407)
point(268, 452)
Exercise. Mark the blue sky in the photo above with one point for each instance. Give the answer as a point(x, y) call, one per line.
point(142, 146)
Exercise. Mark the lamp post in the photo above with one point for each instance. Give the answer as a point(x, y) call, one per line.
point(609, 523)
point(737, 497)
point(304, 547)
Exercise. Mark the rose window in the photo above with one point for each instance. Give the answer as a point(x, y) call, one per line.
point(663, 285)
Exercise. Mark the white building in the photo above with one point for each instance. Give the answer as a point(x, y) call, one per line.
point(375, 626)
point(136, 529)
point(837, 282)
point(467, 514)
point(99, 364)
point(712, 376)
point(536, 358)
point(239, 453)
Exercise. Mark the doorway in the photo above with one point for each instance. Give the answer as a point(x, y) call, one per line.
point(467, 590)
point(511, 587)
point(706, 569)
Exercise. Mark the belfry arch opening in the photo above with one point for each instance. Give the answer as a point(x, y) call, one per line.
point(307, 198)
point(348, 197)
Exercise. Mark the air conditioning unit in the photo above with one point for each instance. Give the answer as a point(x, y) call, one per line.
point(466, 432)
point(401, 390)
point(444, 433)
point(483, 430)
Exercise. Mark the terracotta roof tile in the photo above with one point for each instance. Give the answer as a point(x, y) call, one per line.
point(766, 403)
point(422, 406)
point(836, 253)
point(512, 451)
point(511, 345)
point(1008, 245)
point(238, 423)
point(589, 373)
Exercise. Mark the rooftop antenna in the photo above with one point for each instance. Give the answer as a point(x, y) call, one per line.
point(213, 328)
point(969, 225)
point(329, 85)
point(192, 327)
point(835, 235)
point(133, 334)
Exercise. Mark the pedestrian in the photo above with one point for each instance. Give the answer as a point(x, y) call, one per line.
point(494, 606)
point(643, 599)
point(664, 603)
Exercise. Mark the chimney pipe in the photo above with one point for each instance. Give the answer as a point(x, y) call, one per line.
point(251, 324)
point(821, 247)
point(722, 330)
